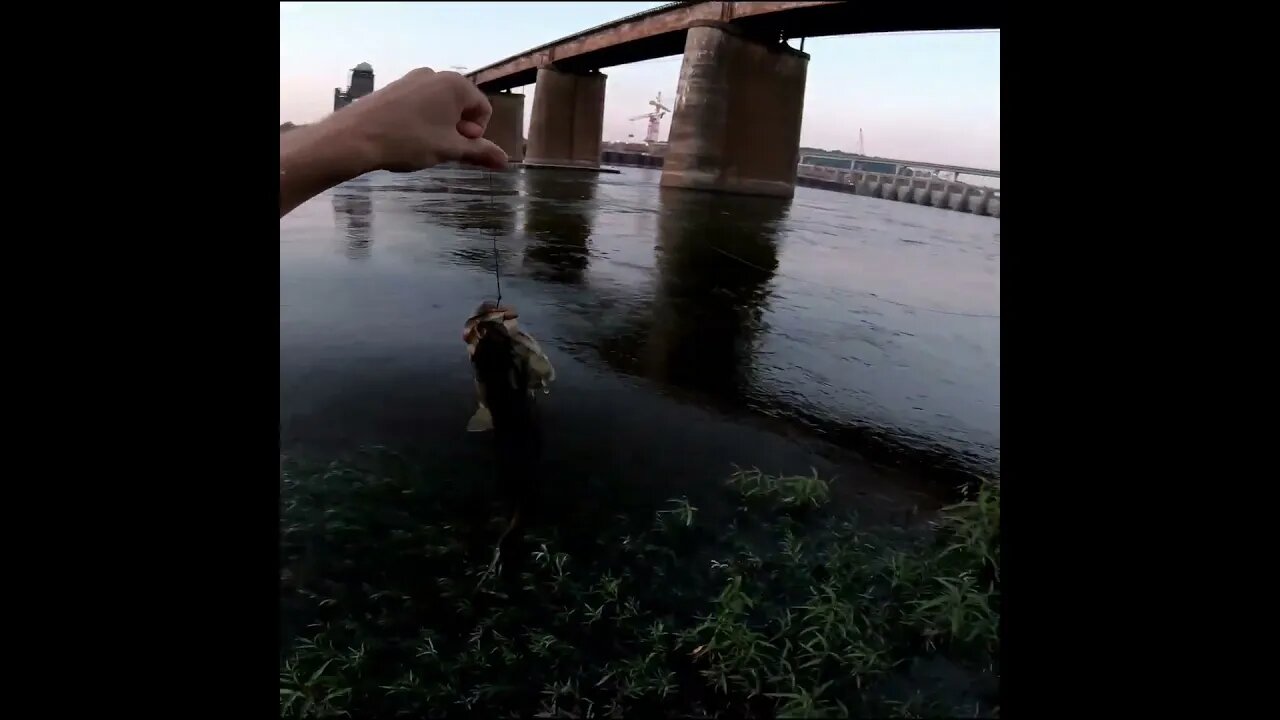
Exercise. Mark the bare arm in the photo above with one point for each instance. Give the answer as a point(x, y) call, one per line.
point(420, 120)
point(317, 157)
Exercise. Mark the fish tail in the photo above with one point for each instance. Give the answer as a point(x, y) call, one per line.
point(482, 421)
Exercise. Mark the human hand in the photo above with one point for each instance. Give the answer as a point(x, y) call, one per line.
point(423, 119)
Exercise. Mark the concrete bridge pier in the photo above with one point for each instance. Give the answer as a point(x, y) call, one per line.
point(920, 192)
point(902, 187)
point(863, 184)
point(567, 119)
point(736, 121)
point(506, 126)
point(937, 194)
point(979, 205)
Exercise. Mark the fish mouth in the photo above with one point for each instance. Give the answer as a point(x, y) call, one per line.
point(491, 311)
point(488, 313)
point(487, 325)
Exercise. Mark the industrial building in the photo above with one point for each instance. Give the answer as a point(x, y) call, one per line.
point(360, 84)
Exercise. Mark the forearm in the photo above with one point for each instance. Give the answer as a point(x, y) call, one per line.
point(316, 157)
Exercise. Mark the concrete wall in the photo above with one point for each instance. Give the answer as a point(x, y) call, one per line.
point(942, 194)
point(920, 191)
point(567, 119)
point(631, 159)
point(736, 125)
point(506, 126)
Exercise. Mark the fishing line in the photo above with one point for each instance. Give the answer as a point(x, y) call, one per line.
point(497, 265)
point(495, 563)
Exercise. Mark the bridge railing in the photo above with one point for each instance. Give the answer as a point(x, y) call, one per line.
point(634, 16)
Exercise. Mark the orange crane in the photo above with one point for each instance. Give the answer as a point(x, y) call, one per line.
point(655, 119)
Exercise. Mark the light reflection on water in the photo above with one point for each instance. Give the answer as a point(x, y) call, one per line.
point(869, 323)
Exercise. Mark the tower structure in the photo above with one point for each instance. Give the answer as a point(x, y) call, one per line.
point(360, 84)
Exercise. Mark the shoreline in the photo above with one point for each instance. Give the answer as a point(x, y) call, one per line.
point(393, 596)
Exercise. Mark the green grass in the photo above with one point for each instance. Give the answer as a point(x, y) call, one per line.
point(780, 605)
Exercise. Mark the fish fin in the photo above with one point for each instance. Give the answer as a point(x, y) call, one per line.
point(541, 366)
point(482, 421)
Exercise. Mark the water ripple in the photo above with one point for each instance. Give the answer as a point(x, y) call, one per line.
point(869, 323)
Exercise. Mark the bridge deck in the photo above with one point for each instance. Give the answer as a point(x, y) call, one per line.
point(660, 32)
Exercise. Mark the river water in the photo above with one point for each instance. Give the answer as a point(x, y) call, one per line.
point(690, 331)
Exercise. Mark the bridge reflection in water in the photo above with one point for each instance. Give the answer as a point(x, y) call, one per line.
point(683, 288)
point(716, 259)
point(559, 213)
point(353, 214)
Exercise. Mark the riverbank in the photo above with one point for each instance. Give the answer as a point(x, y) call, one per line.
point(768, 595)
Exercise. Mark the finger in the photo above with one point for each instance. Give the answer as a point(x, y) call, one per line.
point(482, 152)
point(478, 111)
point(469, 129)
point(475, 104)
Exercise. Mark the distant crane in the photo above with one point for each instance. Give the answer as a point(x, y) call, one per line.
point(655, 119)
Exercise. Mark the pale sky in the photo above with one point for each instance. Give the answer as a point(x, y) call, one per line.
point(930, 97)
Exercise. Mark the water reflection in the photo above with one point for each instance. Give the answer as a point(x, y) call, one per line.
point(353, 213)
point(691, 289)
point(558, 219)
point(480, 205)
point(717, 256)
point(480, 202)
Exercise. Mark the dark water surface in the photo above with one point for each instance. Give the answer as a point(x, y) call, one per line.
point(689, 331)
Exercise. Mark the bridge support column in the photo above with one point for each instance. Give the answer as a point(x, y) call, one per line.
point(568, 116)
point(506, 125)
point(736, 126)
point(980, 206)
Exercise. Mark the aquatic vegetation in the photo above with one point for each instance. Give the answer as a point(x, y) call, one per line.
point(789, 491)
point(392, 605)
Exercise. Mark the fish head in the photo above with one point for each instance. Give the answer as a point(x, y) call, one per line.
point(485, 308)
point(488, 308)
point(488, 311)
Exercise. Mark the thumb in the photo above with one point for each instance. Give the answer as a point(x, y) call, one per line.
point(480, 151)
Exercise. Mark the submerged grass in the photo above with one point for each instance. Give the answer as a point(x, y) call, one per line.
point(392, 604)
